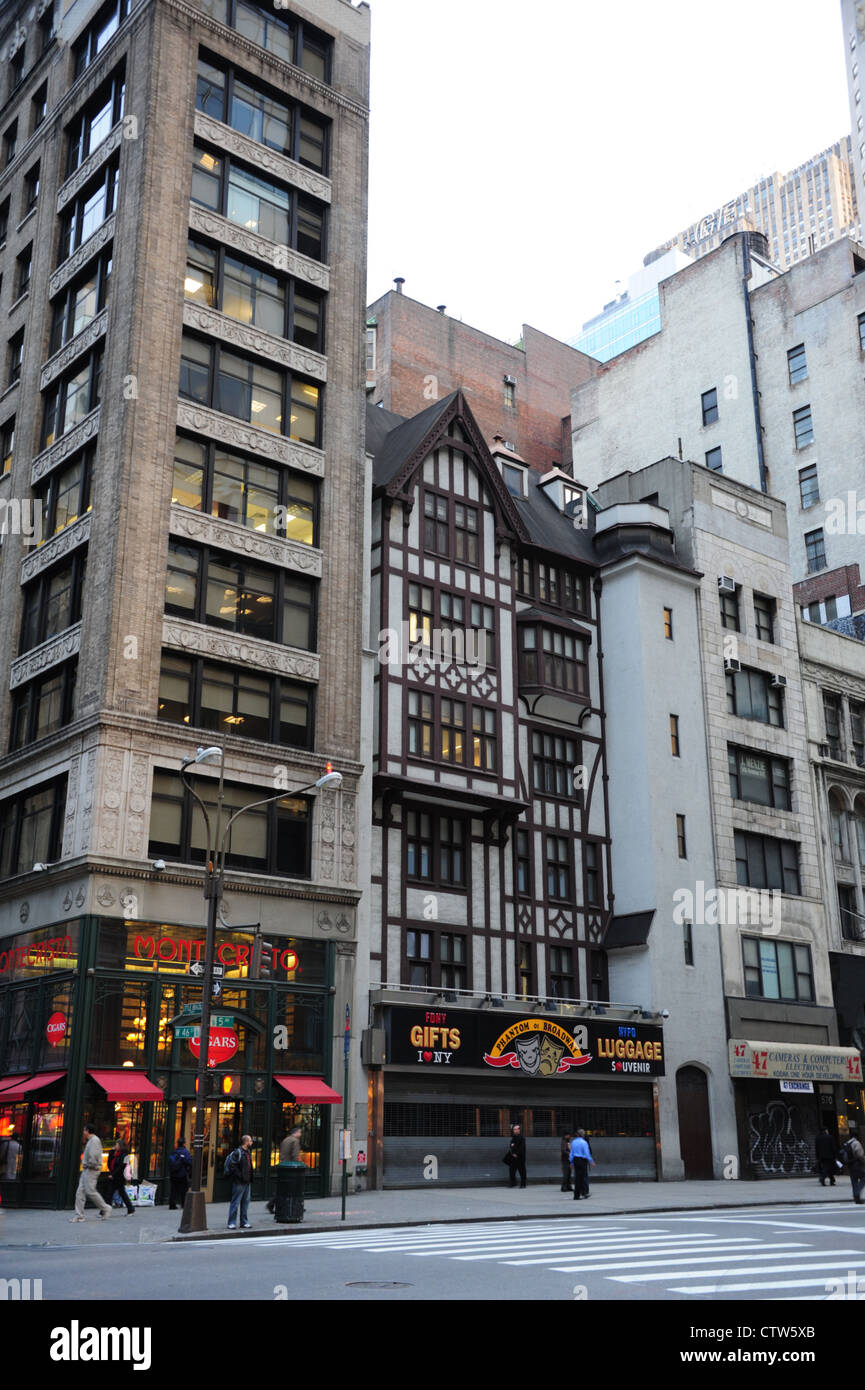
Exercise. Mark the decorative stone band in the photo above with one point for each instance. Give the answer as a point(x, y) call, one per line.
point(91, 165)
point(91, 247)
point(241, 540)
point(80, 343)
point(262, 158)
point(235, 433)
point(182, 635)
point(260, 247)
point(240, 335)
point(53, 550)
point(42, 658)
point(57, 453)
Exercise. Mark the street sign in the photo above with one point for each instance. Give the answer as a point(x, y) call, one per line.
point(216, 990)
point(188, 1030)
point(195, 968)
point(218, 972)
point(191, 1009)
point(222, 1020)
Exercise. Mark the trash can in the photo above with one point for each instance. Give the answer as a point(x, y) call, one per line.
point(288, 1204)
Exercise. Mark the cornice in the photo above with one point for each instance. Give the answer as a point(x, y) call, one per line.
point(229, 140)
point(261, 248)
point(182, 635)
point(236, 434)
point(92, 163)
point(241, 335)
point(243, 540)
point(57, 364)
point(51, 653)
point(51, 458)
point(89, 248)
point(68, 540)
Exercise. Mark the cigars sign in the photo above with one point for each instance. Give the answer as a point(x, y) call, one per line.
point(530, 1046)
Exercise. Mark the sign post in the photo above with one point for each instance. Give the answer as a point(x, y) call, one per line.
point(346, 1148)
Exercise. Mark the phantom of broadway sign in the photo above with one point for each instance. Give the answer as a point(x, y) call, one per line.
point(528, 1046)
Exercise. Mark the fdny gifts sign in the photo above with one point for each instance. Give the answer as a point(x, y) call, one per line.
point(528, 1046)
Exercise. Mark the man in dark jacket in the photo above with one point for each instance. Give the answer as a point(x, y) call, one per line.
point(854, 1156)
point(827, 1152)
point(179, 1173)
point(566, 1163)
point(239, 1167)
point(517, 1151)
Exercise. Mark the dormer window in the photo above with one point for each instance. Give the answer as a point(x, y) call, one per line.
point(515, 479)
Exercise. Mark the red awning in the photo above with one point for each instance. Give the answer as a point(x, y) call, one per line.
point(308, 1090)
point(126, 1085)
point(17, 1087)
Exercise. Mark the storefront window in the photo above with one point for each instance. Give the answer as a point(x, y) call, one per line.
point(23, 1005)
point(284, 1118)
point(254, 1115)
point(157, 1139)
point(302, 1044)
point(46, 1132)
point(13, 1125)
point(119, 1023)
point(56, 1027)
point(118, 1120)
point(35, 952)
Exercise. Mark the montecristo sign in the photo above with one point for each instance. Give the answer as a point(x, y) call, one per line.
point(538, 1047)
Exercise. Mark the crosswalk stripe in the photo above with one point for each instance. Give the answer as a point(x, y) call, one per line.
point(491, 1252)
point(694, 1258)
point(749, 1288)
point(726, 1249)
point(659, 1245)
point(770, 1269)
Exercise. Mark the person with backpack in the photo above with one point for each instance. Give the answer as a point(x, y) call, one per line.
point(238, 1167)
point(825, 1151)
point(179, 1173)
point(853, 1155)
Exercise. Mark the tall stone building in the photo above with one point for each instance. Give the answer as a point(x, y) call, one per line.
point(183, 203)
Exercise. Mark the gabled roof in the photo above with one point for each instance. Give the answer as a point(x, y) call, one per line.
point(548, 529)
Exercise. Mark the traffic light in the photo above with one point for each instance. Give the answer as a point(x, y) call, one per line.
point(262, 959)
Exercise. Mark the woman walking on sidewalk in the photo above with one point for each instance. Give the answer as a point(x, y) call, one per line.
point(121, 1174)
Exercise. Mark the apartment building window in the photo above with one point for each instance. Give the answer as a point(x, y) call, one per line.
point(15, 357)
point(465, 534)
point(763, 862)
point(272, 839)
point(452, 731)
point(797, 365)
point(291, 130)
point(31, 828)
point(420, 724)
point(574, 592)
point(243, 387)
point(815, 551)
point(259, 205)
point(46, 28)
point(421, 614)
point(562, 979)
point(554, 758)
point(453, 967)
point(777, 970)
point(80, 302)
point(16, 68)
point(803, 427)
point(688, 942)
point(523, 857)
point(39, 107)
point(832, 724)
point(751, 695)
point(857, 733)
point(52, 602)
point(809, 486)
point(96, 121)
point(88, 211)
point(72, 397)
point(714, 461)
point(510, 395)
point(484, 739)
point(436, 849)
point(90, 44)
point(234, 487)
point(31, 189)
point(435, 526)
point(67, 494)
point(7, 446)
point(674, 736)
point(548, 584)
point(24, 269)
point(759, 778)
point(593, 873)
point(861, 322)
point(284, 307)
point(42, 706)
point(730, 609)
point(558, 864)
point(284, 35)
point(681, 838)
point(764, 617)
point(709, 401)
point(227, 591)
point(560, 664)
point(206, 695)
point(668, 624)
point(10, 143)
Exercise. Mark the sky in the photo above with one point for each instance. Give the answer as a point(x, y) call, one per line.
point(526, 156)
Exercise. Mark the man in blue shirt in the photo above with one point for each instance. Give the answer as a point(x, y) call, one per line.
point(581, 1157)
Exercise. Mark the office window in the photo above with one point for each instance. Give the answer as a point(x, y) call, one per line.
point(24, 268)
point(260, 115)
point(709, 400)
point(763, 862)
point(260, 205)
point(272, 839)
point(803, 427)
point(851, 924)
point(67, 494)
point(286, 308)
point(435, 526)
point(561, 664)
point(832, 724)
point(668, 624)
point(52, 602)
point(674, 736)
point(234, 487)
point(484, 739)
point(207, 695)
point(7, 445)
point(452, 731)
point(39, 107)
point(452, 954)
point(815, 551)
point(80, 302)
point(31, 189)
point(554, 758)
point(523, 856)
point(558, 863)
point(435, 849)
point(72, 397)
point(483, 622)
point(465, 533)
point(809, 487)
point(777, 970)
point(88, 211)
point(730, 609)
point(46, 28)
point(16, 68)
point(226, 591)
point(4, 220)
point(283, 35)
point(15, 357)
point(241, 386)
point(593, 873)
point(681, 841)
point(95, 122)
point(420, 724)
point(764, 617)
point(759, 778)
point(688, 942)
point(418, 950)
point(97, 34)
point(714, 461)
point(751, 695)
point(797, 365)
point(10, 143)
point(857, 732)
point(548, 583)
point(31, 828)
point(562, 979)
point(42, 706)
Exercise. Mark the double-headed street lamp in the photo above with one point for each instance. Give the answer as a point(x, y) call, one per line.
point(194, 1207)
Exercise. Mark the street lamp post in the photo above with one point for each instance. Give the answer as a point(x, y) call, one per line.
point(194, 1216)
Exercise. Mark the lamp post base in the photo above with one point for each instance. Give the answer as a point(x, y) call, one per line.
point(194, 1216)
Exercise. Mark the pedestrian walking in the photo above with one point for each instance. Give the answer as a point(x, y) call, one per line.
point(179, 1173)
point(121, 1174)
point(289, 1152)
point(91, 1167)
point(826, 1151)
point(517, 1151)
point(853, 1155)
point(238, 1167)
point(581, 1157)
point(566, 1162)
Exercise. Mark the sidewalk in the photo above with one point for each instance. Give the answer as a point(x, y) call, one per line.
point(418, 1207)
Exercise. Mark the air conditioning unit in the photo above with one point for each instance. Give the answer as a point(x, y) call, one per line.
point(726, 584)
point(779, 682)
point(510, 381)
point(730, 664)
